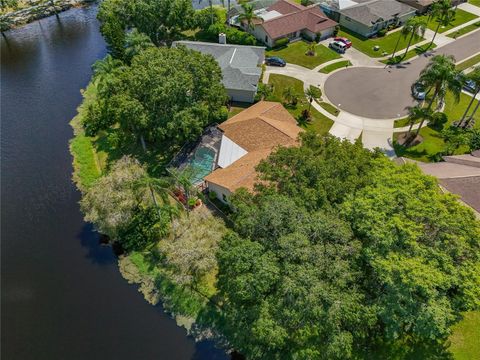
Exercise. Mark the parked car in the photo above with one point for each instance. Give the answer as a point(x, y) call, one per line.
point(470, 86)
point(275, 61)
point(338, 47)
point(418, 91)
point(344, 40)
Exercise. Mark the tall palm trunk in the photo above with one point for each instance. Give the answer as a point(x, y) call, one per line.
point(473, 114)
point(152, 193)
point(468, 108)
point(396, 46)
point(228, 12)
point(409, 43)
point(435, 35)
point(429, 107)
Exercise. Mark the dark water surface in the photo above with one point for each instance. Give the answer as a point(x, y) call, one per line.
point(62, 294)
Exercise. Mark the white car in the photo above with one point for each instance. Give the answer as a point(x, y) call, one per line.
point(338, 46)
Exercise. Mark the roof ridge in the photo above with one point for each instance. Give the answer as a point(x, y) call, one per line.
point(265, 118)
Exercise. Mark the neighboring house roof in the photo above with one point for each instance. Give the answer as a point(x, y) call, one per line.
point(295, 18)
point(418, 4)
point(240, 64)
point(257, 130)
point(459, 175)
point(371, 12)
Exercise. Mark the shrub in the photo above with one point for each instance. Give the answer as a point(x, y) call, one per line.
point(281, 42)
point(318, 37)
point(336, 30)
point(439, 119)
point(234, 36)
point(212, 195)
point(305, 115)
point(475, 140)
point(382, 32)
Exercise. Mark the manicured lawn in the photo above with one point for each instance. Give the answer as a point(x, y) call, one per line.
point(330, 108)
point(386, 43)
point(433, 142)
point(465, 30)
point(319, 123)
point(403, 122)
point(474, 2)
point(417, 50)
point(461, 17)
point(332, 67)
point(295, 53)
point(469, 62)
point(465, 339)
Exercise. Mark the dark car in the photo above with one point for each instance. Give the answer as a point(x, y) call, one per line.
point(275, 61)
point(344, 40)
point(470, 86)
point(418, 91)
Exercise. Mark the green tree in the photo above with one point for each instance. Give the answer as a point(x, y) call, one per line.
point(136, 42)
point(166, 95)
point(248, 16)
point(4, 4)
point(112, 201)
point(312, 93)
point(114, 17)
point(441, 76)
point(444, 14)
point(402, 35)
point(290, 96)
point(416, 113)
point(415, 26)
point(265, 91)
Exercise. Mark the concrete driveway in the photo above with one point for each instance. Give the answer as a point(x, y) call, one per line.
point(384, 93)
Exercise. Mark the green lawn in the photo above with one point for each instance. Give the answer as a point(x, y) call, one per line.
point(295, 53)
point(330, 108)
point(386, 43)
point(403, 122)
point(332, 67)
point(469, 62)
point(433, 142)
point(461, 17)
point(417, 50)
point(236, 108)
point(465, 30)
point(474, 2)
point(465, 339)
point(319, 123)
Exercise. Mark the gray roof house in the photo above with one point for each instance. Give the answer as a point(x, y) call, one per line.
point(241, 66)
point(367, 17)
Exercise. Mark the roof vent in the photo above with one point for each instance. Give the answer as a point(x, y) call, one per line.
point(222, 38)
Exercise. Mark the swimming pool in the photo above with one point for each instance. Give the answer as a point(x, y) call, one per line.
point(201, 163)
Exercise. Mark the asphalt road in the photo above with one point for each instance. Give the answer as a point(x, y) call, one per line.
point(385, 93)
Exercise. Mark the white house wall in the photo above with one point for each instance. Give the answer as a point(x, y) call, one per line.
point(242, 95)
point(222, 193)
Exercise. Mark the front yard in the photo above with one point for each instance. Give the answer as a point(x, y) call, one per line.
point(318, 123)
point(386, 43)
point(433, 142)
point(461, 17)
point(295, 53)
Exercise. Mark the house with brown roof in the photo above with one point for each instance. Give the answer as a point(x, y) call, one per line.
point(248, 138)
point(288, 19)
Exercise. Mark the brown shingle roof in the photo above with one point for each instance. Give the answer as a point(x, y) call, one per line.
point(310, 18)
point(285, 7)
point(259, 130)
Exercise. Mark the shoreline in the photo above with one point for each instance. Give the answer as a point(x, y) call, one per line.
point(18, 18)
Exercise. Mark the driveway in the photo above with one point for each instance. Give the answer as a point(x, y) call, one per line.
point(384, 93)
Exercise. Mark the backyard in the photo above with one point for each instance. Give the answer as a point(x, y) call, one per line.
point(295, 53)
point(461, 17)
point(318, 123)
point(386, 43)
point(433, 143)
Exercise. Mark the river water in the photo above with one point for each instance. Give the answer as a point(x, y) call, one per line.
point(62, 294)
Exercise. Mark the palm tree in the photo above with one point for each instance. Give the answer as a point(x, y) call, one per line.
point(444, 14)
point(265, 90)
point(182, 179)
point(136, 42)
point(290, 96)
point(417, 113)
point(416, 26)
point(154, 187)
point(475, 77)
point(248, 15)
point(311, 93)
point(403, 34)
point(103, 70)
point(441, 76)
point(472, 115)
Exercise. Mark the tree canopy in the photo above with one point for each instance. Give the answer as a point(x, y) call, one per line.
point(338, 247)
point(166, 95)
point(161, 20)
